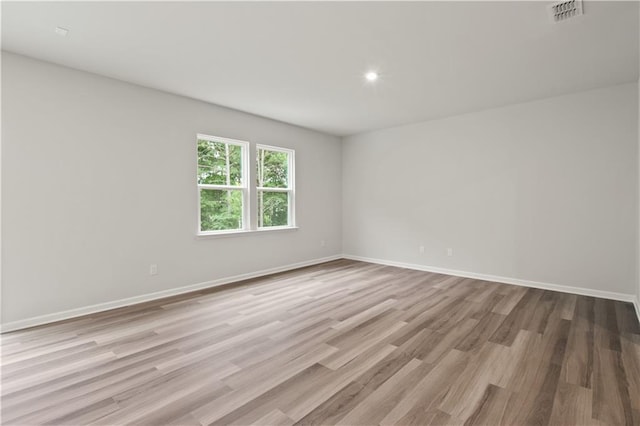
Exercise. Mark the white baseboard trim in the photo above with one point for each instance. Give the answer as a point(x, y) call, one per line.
point(506, 280)
point(100, 307)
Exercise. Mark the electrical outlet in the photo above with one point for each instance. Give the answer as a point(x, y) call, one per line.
point(449, 252)
point(153, 269)
point(421, 249)
point(323, 243)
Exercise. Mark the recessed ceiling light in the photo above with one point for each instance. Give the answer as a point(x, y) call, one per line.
point(371, 76)
point(62, 31)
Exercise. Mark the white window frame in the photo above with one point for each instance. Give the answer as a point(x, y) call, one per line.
point(246, 178)
point(290, 189)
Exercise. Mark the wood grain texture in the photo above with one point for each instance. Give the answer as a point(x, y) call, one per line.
point(344, 342)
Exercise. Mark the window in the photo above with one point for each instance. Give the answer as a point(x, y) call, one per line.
point(222, 184)
point(230, 200)
point(274, 186)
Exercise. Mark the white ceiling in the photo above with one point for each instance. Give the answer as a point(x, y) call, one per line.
point(303, 63)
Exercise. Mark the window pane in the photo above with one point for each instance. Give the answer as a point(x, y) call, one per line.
point(219, 163)
point(273, 208)
point(220, 209)
point(273, 169)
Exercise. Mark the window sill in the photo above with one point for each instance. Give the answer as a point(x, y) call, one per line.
point(243, 232)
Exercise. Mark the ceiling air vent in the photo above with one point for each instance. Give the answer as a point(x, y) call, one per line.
point(564, 10)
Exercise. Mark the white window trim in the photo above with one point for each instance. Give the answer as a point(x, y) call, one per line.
point(246, 178)
point(290, 189)
point(242, 232)
point(249, 190)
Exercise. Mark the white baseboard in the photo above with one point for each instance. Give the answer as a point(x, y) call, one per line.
point(506, 280)
point(73, 313)
point(100, 307)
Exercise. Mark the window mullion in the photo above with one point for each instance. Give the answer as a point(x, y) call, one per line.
point(249, 210)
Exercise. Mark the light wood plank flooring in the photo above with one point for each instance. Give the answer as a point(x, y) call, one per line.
point(339, 343)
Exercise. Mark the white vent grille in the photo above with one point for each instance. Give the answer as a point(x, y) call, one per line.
point(564, 10)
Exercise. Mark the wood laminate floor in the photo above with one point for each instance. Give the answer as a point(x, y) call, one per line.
point(339, 343)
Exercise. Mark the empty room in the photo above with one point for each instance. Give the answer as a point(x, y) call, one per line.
point(319, 213)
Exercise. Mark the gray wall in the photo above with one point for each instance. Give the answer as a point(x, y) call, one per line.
point(545, 191)
point(98, 182)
